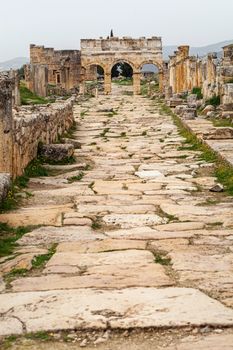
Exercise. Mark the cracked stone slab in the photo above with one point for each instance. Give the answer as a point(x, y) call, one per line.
point(101, 259)
point(49, 234)
point(100, 246)
point(105, 276)
point(134, 220)
point(116, 209)
point(123, 309)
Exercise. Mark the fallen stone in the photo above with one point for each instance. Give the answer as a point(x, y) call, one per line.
point(208, 108)
point(217, 188)
point(56, 152)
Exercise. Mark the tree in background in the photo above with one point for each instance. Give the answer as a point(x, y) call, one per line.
point(111, 34)
point(123, 69)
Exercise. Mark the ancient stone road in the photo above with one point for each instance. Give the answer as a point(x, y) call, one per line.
point(141, 242)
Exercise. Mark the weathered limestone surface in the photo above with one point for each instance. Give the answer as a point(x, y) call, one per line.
point(98, 309)
point(140, 240)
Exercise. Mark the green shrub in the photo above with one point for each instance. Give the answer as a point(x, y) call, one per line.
point(197, 91)
point(214, 101)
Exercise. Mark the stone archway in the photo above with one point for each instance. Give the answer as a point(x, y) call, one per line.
point(160, 71)
point(107, 52)
point(86, 73)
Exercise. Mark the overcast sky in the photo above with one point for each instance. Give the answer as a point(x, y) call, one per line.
point(62, 23)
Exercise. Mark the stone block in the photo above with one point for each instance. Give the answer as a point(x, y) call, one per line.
point(56, 152)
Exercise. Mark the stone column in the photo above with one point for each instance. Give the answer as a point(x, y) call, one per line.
point(82, 88)
point(107, 83)
point(137, 83)
point(6, 124)
point(161, 77)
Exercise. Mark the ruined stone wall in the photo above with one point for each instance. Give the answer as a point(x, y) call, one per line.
point(36, 78)
point(209, 73)
point(32, 125)
point(22, 129)
point(64, 67)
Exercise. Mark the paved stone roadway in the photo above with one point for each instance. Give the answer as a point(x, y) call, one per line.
point(141, 242)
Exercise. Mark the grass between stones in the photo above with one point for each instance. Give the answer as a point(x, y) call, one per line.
point(29, 98)
point(38, 263)
point(76, 178)
point(40, 260)
point(9, 237)
point(162, 259)
point(223, 171)
point(222, 122)
point(12, 201)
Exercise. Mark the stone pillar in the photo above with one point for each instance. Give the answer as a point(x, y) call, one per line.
point(137, 83)
point(107, 83)
point(82, 88)
point(14, 75)
point(6, 124)
point(161, 80)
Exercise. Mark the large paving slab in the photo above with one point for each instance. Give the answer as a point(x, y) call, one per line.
point(124, 309)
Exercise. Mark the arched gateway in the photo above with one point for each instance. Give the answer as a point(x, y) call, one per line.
point(107, 52)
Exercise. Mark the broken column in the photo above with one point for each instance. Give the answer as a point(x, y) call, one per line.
point(6, 124)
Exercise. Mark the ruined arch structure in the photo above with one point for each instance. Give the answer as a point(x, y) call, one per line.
point(107, 52)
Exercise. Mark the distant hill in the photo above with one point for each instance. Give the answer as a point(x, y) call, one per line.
point(200, 51)
point(15, 63)
point(18, 62)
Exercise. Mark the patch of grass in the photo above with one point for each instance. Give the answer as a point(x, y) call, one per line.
point(111, 114)
point(92, 144)
point(144, 133)
point(123, 134)
point(162, 260)
point(41, 335)
point(9, 237)
point(28, 97)
point(125, 187)
point(209, 201)
point(96, 224)
point(124, 82)
point(223, 171)
point(83, 113)
point(40, 260)
point(214, 101)
point(197, 91)
point(222, 122)
point(104, 132)
point(16, 273)
point(224, 174)
point(76, 178)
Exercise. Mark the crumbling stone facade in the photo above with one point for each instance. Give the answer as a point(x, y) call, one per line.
point(67, 70)
point(214, 76)
point(108, 52)
point(52, 68)
point(22, 129)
